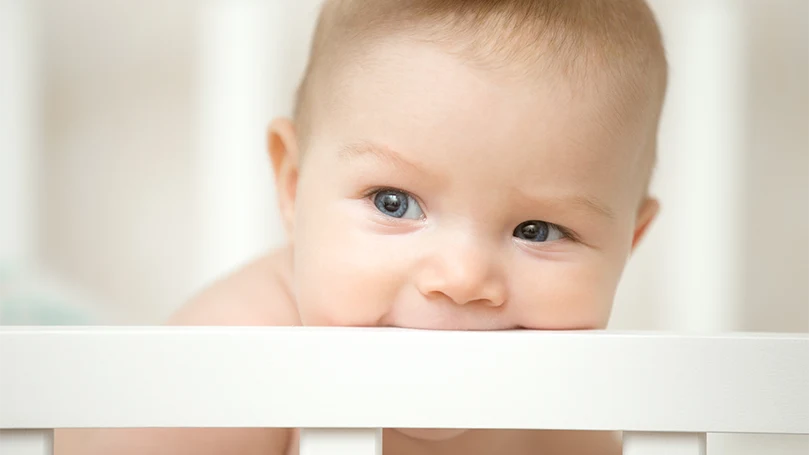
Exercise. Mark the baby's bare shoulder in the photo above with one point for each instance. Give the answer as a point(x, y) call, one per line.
point(257, 294)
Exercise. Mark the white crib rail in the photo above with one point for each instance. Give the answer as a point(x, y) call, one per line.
point(664, 390)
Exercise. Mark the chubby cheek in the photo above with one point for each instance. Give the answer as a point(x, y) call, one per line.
point(344, 276)
point(566, 295)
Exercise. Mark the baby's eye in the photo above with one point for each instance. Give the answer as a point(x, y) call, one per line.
point(397, 204)
point(538, 231)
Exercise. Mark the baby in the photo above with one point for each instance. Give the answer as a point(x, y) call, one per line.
point(451, 164)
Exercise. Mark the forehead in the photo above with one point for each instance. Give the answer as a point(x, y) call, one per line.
point(483, 123)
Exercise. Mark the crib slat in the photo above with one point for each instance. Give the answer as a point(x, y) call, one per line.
point(363, 441)
point(293, 377)
point(237, 78)
point(19, 129)
point(705, 116)
point(642, 443)
point(26, 442)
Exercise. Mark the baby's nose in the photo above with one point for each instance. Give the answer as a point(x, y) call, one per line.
point(465, 275)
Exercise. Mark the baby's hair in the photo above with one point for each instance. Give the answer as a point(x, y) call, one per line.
point(612, 46)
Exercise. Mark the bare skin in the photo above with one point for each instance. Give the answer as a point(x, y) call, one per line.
point(259, 295)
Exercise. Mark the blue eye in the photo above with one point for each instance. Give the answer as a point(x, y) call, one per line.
point(397, 204)
point(537, 231)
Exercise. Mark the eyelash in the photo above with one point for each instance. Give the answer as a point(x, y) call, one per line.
point(570, 235)
point(369, 194)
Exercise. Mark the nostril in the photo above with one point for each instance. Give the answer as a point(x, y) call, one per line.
point(481, 302)
point(437, 296)
point(492, 303)
point(441, 296)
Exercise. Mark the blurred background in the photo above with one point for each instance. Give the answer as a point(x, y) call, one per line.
point(133, 167)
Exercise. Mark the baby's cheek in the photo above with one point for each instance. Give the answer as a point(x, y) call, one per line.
point(567, 296)
point(343, 281)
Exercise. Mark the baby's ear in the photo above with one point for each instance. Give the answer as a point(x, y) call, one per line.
point(283, 150)
point(646, 214)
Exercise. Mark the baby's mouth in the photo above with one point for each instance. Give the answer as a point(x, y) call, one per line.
point(431, 434)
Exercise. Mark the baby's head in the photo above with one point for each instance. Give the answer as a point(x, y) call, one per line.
point(470, 164)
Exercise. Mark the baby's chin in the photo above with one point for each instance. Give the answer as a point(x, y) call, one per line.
point(431, 434)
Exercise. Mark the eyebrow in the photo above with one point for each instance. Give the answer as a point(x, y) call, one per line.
point(591, 204)
point(380, 152)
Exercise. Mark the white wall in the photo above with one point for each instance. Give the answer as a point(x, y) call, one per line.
point(776, 226)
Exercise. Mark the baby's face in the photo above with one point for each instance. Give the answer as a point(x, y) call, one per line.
point(437, 195)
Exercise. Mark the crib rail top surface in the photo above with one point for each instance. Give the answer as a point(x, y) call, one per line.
point(368, 378)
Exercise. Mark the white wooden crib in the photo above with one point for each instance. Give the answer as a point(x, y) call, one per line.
point(342, 385)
